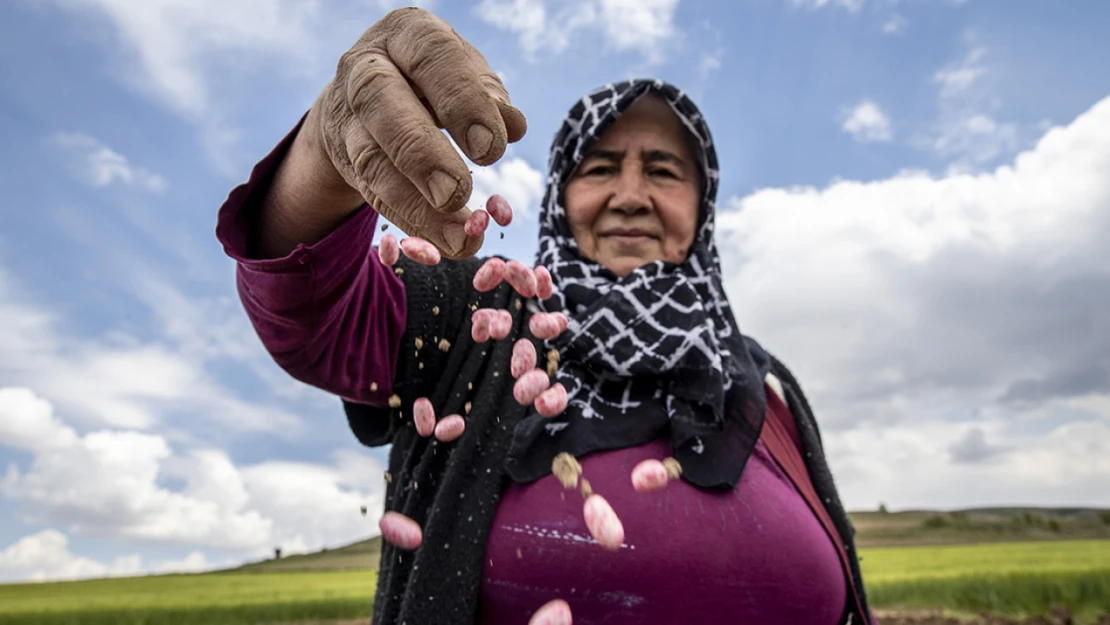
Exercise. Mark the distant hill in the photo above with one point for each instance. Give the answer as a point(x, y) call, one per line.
point(873, 529)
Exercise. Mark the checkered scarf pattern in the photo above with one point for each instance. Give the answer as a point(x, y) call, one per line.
point(653, 353)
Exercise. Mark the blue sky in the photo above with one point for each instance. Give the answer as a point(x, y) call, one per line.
point(913, 210)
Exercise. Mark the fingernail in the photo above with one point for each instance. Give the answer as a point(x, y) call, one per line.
point(442, 186)
point(478, 139)
point(455, 237)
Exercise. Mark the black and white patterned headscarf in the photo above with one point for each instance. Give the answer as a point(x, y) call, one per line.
point(656, 353)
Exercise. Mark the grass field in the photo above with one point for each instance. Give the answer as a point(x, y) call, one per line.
point(1015, 578)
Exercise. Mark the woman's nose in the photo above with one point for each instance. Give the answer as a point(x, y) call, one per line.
point(631, 192)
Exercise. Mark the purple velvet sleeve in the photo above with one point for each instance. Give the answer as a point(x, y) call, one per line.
point(330, 314)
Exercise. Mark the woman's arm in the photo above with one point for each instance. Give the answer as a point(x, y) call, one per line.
point(323, 305)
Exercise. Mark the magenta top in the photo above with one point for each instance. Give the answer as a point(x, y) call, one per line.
point(332, 316)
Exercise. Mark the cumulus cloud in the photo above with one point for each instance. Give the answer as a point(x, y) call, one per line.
point(516, 180)
point(121, 381)
point(894, 25)
point(45, 556)
point(101, 166)
point(907, 303)
point(849, 5)
point(627, 25)
point(113, 484)
point(867, 122)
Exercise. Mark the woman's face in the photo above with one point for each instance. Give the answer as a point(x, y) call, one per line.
point(634, 197)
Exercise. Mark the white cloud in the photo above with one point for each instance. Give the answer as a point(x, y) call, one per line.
point(100, 166)
point(966, 131)
point(867, 122)
point(515, 180)
point(894, 25)
point(850, 5)
point(45, 556)
point(120, 381)
point(911, 303)
point(627, 25)
point(111, 484)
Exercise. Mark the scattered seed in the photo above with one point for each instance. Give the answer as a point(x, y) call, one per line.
point(674, 469)
point(420, 250)
point(500, 210)
point(500, 324)
point(435, 310)
point(373, 387)
point(603, 522)
point(553, 401)
point(444, 345)
point(521, 278)
point(394, 401)
point(420, 365)
point(519, 554)
point(425, 416)
point(479, 324)
point(477, 223)
point(388, 477)
point(419, 342)
point(649, 476)
point(399, 271)
point(466, 408)
point(524, 358)
point(587, 490)
point(470, 386)
point(517, 304)
point(566, 469)
point(384, 226)
point(502, 235)
point(489, 275)
point(554, 612)
point(449, 428)
point(530, 385)
point(388, 250)
point(400, 531)
point(544, 288)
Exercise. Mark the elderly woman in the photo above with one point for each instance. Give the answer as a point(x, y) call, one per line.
point(651, 366)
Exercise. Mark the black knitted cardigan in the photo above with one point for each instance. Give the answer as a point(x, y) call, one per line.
point(452, 489)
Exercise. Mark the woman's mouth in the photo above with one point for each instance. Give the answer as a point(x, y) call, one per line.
point(628, 236)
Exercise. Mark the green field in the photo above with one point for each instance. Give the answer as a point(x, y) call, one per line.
point(1013, 578)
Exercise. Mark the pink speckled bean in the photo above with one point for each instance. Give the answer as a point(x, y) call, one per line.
point(604, 525)
point(420, 250)
point(500, 210)
point(524, 358)
point(500, 324)
point(489, 275)
point(400, 531)
point(649, 476)
point(554, 612)
point(530, 385)
point(477, 223)
point(388, 250)
point(544, 288)
point(547, 325)
point(479, 324)
point(450, 427)
point(425, 416)
point(553, 401)
point(521, 278)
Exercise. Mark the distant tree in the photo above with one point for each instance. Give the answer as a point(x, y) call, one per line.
point(1054, 525)
point(882, 509)
point(277, 553)
point(1104, 516)
point(363, 510)
point(936, 521)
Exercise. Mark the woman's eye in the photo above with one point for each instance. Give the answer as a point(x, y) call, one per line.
point(600, 170)
point(663, 172)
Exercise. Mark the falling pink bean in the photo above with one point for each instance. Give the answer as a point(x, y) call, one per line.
point(477, 223)
point(420, 250)
point(604, 525)
point(649, 476)
point(489, 275)
point(554, 612)
point(400, 531)
point(524, 358)
point(450, 427)
point(425, 416)
point(547, 325)
point(388, 250)
point(530, 385)
point(500, 210)
point(544, 288)
point(479, 325)
point(521, 278)
point(553, 401)
point(500, 324)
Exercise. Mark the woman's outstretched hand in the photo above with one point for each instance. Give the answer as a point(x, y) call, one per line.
point(375, 129)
